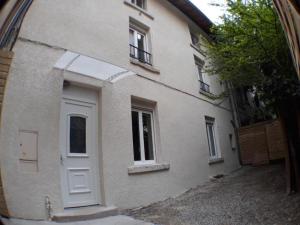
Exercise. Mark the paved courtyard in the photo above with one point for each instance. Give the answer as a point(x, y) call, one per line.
point(253, 195)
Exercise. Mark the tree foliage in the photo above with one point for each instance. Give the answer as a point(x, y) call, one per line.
point(250, 49)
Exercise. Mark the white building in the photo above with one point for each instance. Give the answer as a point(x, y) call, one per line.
point(106, 104)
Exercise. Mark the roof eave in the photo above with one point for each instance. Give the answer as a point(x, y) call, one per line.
point(194, 13)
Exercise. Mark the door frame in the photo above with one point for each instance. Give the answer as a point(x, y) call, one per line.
point(85, 102)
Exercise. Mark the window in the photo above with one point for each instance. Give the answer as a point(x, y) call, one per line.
point(139, 3)
point(211, 137)
point(138, 43)
point(199, 67)
point(143, 136)
point(195, 39)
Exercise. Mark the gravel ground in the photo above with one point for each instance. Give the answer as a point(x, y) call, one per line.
point(253, 195)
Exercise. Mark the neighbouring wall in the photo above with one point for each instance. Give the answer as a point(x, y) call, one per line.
point(31, 103)
point(5, 61)
point(262, 142)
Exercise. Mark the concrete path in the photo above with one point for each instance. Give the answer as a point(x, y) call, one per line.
point(113, 220)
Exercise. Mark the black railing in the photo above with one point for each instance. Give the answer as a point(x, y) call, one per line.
point(141, 55)
point(204, 87)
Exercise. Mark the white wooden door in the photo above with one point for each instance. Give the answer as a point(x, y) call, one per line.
point(79, 158)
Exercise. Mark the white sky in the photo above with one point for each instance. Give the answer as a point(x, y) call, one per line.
point(212, 12)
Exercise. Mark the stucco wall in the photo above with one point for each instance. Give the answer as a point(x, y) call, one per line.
point(183, 143)
point(100, 29)
point(32, 103)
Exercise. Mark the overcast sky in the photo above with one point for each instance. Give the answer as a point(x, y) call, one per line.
point(212, 12)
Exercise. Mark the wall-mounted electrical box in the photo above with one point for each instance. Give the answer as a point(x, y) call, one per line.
point(28, 151)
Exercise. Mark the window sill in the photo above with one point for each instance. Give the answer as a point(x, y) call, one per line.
point(148, 168)
point(145, 66)
point(198, 49)
point(207, 94)
point(126, 2)
point(215, 161)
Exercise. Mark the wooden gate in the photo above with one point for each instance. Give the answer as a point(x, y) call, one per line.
point(262, 142)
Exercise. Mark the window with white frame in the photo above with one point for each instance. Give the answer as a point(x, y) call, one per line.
point(199, 67)
point(139, 3)
point(199, 70)
point(143, 136)
point(211, 137)
point(139, 45)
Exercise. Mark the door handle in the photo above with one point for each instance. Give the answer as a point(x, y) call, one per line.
point(61, 159)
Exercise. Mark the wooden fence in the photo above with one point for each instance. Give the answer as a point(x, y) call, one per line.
point(262, 142)
point(5, 62)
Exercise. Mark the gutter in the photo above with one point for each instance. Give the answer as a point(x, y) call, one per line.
point(236, 120)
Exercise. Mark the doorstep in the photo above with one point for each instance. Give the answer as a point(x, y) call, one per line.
point(113, 220)
point(85, 213)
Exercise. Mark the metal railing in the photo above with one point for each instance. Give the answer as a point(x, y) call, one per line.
point(140, 54)
point(204, 87)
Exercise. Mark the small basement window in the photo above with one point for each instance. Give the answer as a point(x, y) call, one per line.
point(143, 136)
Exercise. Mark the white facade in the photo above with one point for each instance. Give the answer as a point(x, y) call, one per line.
point(99, 30)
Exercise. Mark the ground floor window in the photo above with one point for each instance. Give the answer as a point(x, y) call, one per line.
point(211, 137)
point(143, 136)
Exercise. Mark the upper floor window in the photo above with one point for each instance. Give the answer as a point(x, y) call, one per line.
point(138, 41)
point(139, 3)
point(199, 70)
point(195, 39)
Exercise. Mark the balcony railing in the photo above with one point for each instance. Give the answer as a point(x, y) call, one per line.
point(204, 87)
point(141, 55)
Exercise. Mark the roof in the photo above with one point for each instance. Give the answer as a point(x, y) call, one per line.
point(194, 13)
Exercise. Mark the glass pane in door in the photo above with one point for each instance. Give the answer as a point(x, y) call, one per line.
point(77, 135)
